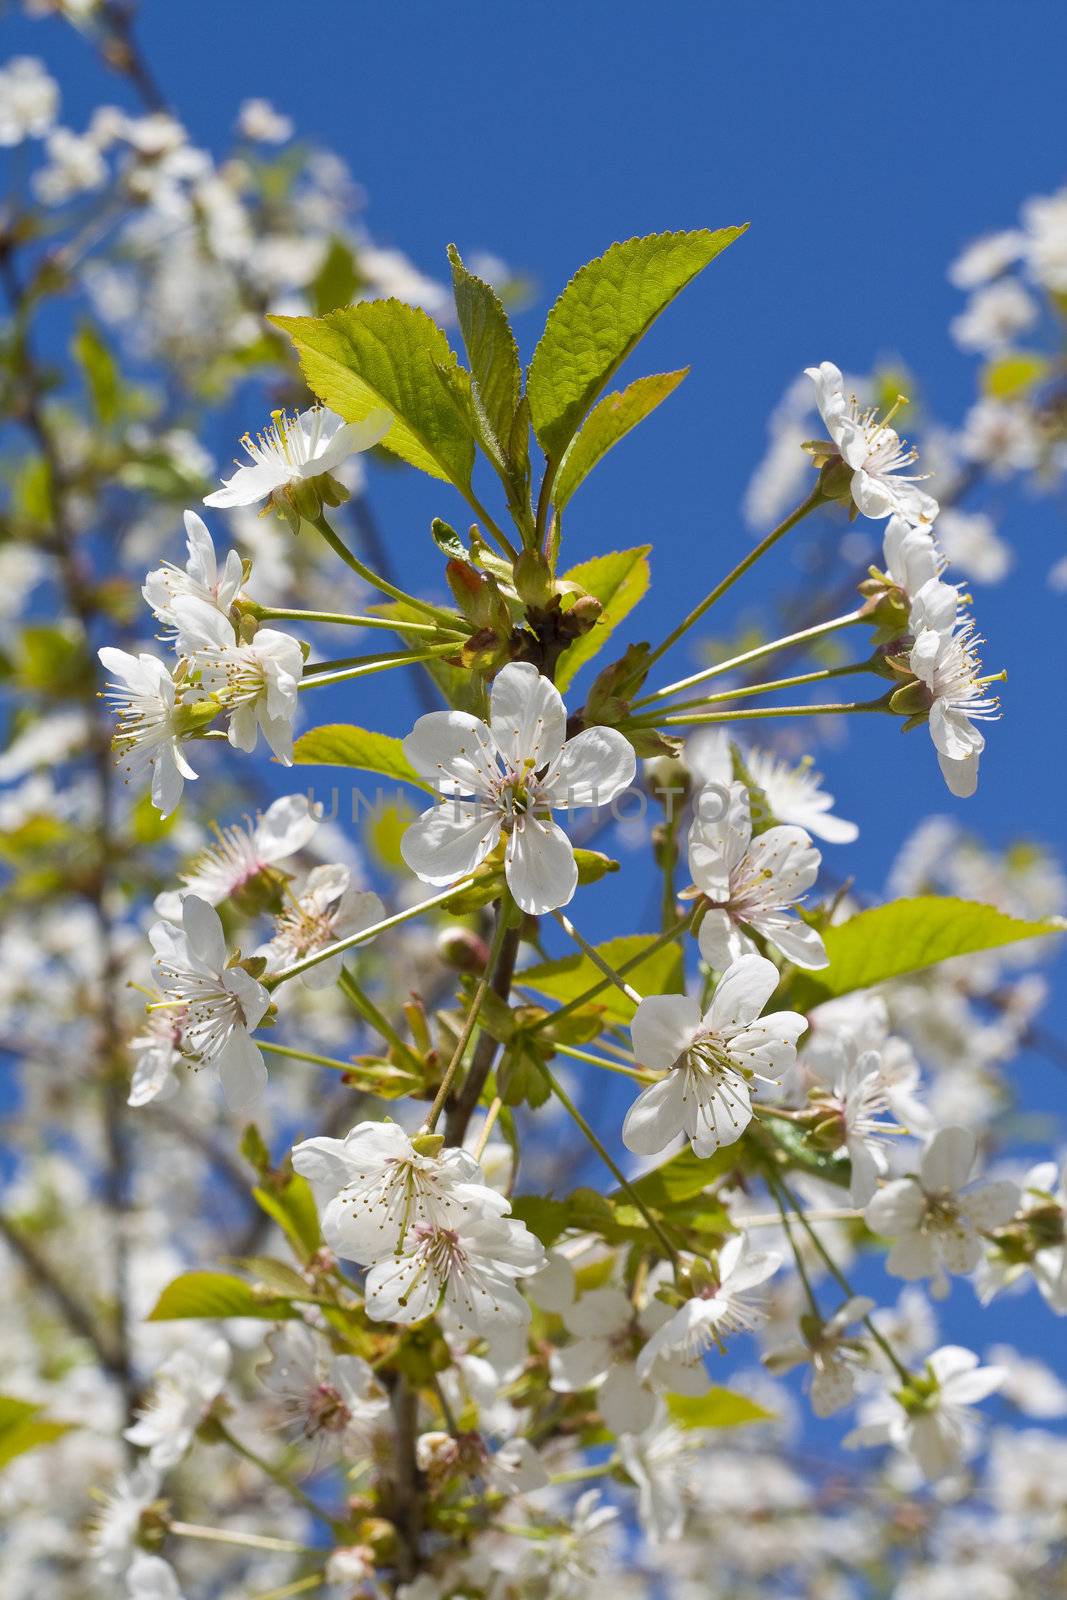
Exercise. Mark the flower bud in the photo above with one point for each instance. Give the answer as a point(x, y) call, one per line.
point(462, 949)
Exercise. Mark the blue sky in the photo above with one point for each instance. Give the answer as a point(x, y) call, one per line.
point(864, 146)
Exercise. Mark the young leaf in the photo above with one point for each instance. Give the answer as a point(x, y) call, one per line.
point(599, 318)
point(340, 744)
point(608, 422)
point(571, 976)
point(906, 936)
point(618, 580)
point(719, 1408)
point(491, 348)
point(293, 1209)
point(216, 1294)
point(384, 353)
point(23, 1428)
point(681, 1178)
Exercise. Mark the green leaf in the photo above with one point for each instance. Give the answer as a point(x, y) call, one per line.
point(336, 281)
point(1013, 374)
point(217, 1294)
point(545, 1217)
point(681, 1178)
point(384, 353)
point(463, 690)
point(293, 1209)
point(619, 580)
point(608, 422)
point(491, 348)
point(341, 744)
point(100, 371)
point(563, 980)
point(277, 1275)
point(907, 936)
point(599, 318)
point(23, 1428)
point(719, 1408)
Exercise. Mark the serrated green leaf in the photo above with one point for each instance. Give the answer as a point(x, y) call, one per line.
point(563, 980)
point(293, 1209)
point(385, 353)
point(609, 421)
point(907, 936)
point(719, 1408)
point(217, 1294)
point(619, 580)
point(681, 1178)
point(340, 744)
point(606, 308)
point(491, 348)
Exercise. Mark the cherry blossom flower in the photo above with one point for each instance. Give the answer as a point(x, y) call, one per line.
point(257, 681)
point(29, 100)
point(200, 579)
point(471, 1266)
point(1037, 1241)
point(752, 883)
point(157, 1052)
point(911, 554)
point(151, 1578)
point(328, 908)
point(987, 258)
point(971, 542)
point(794, 794)
point(185, 1386)
point(935, 1221)
point(295, 449)
point(874, 451)
point(375, 1186)
point(259, 121)
point(994, 316)
point(931, 1419)
point(150, 730)
point(834, 1355)
point(333, 1400)
point(726, 1306)
point(117, 1526)
point(243, 853)
point(947, 664)
point(517, 769)
point(850, 1096)
point(710, 1061)
point(659, 1461)
point(219, 1004)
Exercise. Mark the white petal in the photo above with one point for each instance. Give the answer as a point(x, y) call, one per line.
point(450, 840)
point(600, 1311)
point(527, 716)
point(663, 1026)
point(591, 770)
point(540, 867)
point(285, 827)
point(624, 1403)
point(203, 930)
point(788, 861)
point(948, 1159)
point(454, 751)
point(721, 941)
point(798, 942)
point(656, 1117)
point(241, 1071)
point(742, 992)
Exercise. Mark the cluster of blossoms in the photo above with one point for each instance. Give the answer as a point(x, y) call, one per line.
point(442, 1362)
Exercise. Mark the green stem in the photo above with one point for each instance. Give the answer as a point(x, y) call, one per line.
point(690, 718)
point(362, 666)
point(755, 654)
point(250, 1541)
point(448, 619)
point(802, 1270)
point(342, 619)
point(609, 1066)
point(314, 1580)
point(307, 962)
point(813, 500)
point(306, 1055)
point(747, 690)
point(473, 1014)
point(377, 1020)
point(667, 937)
point(624, 1183)
point(596, 958)
point(490, 525)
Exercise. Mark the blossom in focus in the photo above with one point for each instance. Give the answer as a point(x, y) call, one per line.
point(294, 450)
point(752, 884)
point(150, 731)
point(185, 1386)
point(219, 1004)
point(327, 909)
point(851, 1097)
point(947, 664)
point(472, 1266)
point(935, 1220)
point(711, 1062)
point(931, 1419)
point(505, 777)
point(256, 681)
point(242, 853)
point(728, 1305)
point(874, 451)
point(201, 578)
